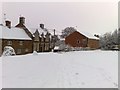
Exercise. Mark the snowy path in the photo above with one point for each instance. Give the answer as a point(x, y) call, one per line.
point(66, 70)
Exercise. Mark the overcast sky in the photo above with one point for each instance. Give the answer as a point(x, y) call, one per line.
point(93, 17)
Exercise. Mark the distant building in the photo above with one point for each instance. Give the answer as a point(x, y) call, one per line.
point(26, 40)
point(81, 39)
point(41, 39)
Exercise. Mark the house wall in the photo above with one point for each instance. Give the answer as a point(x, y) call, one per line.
point(41, 45)
point(20, 46)
point(93, 43)
point(76, 39)
point(47, 44)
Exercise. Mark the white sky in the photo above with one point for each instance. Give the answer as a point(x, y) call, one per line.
point(94, 17)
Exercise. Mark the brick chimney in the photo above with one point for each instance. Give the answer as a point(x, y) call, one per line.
point(54, 32)
point(21, 20)
point(8, 24)
point(42, 26)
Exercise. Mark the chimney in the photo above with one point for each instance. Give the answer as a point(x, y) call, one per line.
point(42, 26)
point(8, 24)
point(21, 20)
point(54, 32)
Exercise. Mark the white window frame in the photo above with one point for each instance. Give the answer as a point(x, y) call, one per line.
point(9, 42)
point(26, 50)
point(21, 43)
point(19, 51)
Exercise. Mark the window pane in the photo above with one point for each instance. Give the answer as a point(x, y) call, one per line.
point(9, 42)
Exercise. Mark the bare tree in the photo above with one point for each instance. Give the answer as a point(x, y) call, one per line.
point(67, 31)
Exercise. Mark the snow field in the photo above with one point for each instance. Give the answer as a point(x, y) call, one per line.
point(81, 69)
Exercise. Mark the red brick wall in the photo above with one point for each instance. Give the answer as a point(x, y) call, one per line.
point(93, 43)
point(27, 44)
point(76, 40)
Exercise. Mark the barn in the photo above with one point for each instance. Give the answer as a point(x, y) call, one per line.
point(82, 39)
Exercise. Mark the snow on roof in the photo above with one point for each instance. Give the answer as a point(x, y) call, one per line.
point(89, 35)
point(56, 47)
point(62, 39)
point(13, 33)
point(40, 30)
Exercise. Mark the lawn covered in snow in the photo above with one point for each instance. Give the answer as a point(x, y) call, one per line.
point(78, 69)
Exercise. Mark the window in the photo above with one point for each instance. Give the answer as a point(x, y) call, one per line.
point(36, 38)
point(26, 50)
point(46, 48)
point(36, 47)
point(47, 39)
point(19, 51)
point(42, 39)
point(9, 42)
point(84, 41)
point(21, 42)
point(78, 41)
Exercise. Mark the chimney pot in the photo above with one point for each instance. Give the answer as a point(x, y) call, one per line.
point(22, 20)
point(42, 26)
point(8, 24)
point(54, 32)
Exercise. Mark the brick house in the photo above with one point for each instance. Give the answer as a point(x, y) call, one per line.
point(16, 38)
point(25, 40)
point(42, 39)
point(78, 39)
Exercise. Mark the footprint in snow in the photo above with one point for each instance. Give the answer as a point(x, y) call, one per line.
point(115, 84)
point(76, 73)
point(83, 83)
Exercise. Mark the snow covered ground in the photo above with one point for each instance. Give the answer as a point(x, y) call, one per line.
point(80, 69)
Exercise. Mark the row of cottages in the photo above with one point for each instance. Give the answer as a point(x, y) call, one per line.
point(82, 39)
point(43, 39)
point(25, 40)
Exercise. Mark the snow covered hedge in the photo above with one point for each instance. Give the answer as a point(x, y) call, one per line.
point(67, 48)
point(35, 53)
point(8, 51)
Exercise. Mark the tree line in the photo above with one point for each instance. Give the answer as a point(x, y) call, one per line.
point(110, 40)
